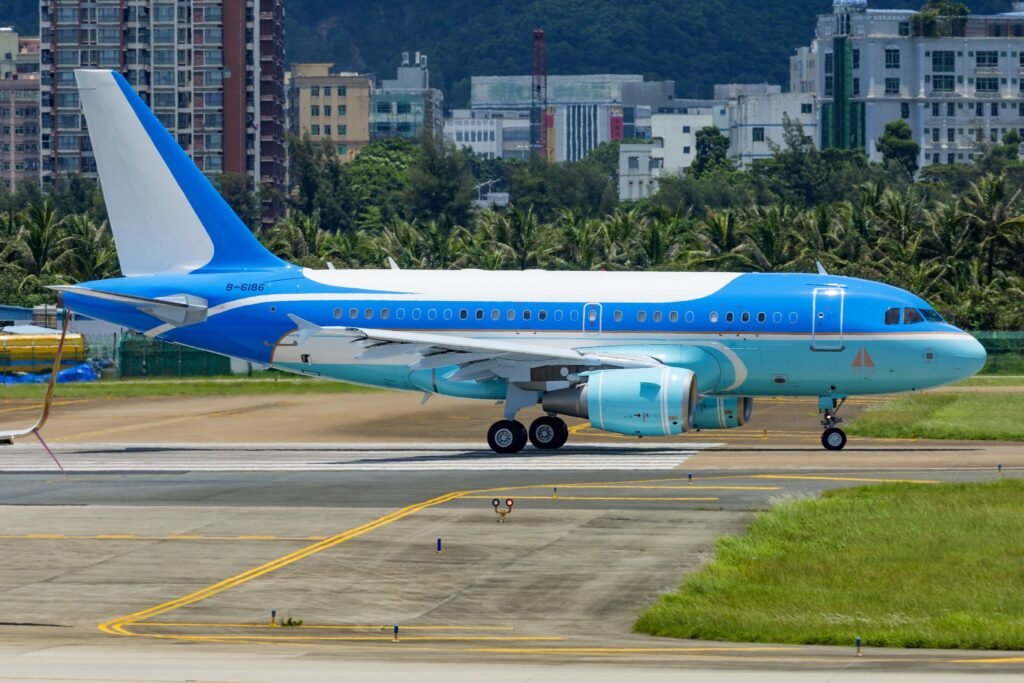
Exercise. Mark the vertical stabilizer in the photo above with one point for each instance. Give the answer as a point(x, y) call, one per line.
point(165, 215)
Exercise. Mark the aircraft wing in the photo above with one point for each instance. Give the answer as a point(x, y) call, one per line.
point(478, 358)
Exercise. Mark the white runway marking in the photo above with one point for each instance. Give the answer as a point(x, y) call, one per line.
point(142, 458)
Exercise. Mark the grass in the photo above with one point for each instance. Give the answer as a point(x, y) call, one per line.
point(231, 386)
point(899, 565)
point(967, 416)
point(993, 381)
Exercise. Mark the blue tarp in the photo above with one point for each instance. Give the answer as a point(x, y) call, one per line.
point(79, 373)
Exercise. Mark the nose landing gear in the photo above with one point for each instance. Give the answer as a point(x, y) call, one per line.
point(833, 438)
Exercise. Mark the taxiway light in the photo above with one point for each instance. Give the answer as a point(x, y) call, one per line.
point(509, 502)
point(495, 502)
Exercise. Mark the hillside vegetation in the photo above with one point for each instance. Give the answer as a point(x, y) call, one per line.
point(697, 43)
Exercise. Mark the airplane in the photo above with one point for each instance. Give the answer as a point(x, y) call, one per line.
point(640, 354)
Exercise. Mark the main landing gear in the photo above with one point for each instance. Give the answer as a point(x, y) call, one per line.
point(547, 433)
point(833, 438)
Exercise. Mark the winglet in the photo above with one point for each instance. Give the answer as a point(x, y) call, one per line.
point(821, 268)
point(304, 328)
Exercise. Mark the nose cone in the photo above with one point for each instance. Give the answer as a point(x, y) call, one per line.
point(969, 356)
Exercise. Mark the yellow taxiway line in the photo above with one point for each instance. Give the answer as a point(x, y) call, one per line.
point(323, 627)
point(677, 499)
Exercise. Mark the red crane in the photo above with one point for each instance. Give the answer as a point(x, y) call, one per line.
point(538, 112)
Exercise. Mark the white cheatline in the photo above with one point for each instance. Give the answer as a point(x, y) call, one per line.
point(196, 458)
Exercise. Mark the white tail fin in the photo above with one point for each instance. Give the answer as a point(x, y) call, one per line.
point(165, 215)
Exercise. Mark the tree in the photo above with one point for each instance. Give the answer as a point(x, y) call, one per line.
point(440, 184)
point(234, 187)
point(897, 144)
point(712, 151)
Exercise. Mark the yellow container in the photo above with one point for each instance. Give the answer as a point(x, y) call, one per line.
point(36, 352)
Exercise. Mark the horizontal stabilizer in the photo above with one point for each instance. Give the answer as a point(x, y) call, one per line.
point(178, 309)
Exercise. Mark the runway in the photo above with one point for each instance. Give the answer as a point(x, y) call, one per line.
point(142, 546)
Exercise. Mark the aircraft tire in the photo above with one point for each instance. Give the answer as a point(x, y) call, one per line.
point(548, 433)
point(507, 436)
point(833, 439)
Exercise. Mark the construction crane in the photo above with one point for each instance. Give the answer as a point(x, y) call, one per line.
point(539, 108)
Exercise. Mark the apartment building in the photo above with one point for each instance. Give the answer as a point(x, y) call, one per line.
point(212, 71)
point(331, 107)
point(957, 81)
point(19, 109)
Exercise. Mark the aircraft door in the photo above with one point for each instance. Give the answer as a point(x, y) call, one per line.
point(592, 318)
point(827, 319)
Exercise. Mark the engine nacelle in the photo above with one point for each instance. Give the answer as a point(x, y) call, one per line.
point(640, 402)
point(723, 412)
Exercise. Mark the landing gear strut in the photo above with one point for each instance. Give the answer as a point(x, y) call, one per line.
point(833, 438)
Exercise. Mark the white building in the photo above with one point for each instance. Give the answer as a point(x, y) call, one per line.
point(756, 123)
point(489, 133)
point(676, 134)
point(955, 81)
point(639, 169)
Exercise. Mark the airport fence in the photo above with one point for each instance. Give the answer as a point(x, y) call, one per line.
point(1005, 352)
point(140, 356)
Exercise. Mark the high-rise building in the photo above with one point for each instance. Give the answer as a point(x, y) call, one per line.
point(330, 107)
point(406, 105)
point(956, 81)
point(212, 71)
point(19, 109)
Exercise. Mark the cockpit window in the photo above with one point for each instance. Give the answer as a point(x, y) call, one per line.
point(892, 316)
point(931, 316)
point(911, 316)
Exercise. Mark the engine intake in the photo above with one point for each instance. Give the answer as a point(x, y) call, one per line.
point(639, 402)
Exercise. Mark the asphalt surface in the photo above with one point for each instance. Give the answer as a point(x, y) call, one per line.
point(160, 554)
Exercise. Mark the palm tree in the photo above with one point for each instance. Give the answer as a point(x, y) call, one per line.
point(990, 205)
point(91, 252)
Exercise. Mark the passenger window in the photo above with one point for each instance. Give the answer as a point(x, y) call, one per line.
point(558, 316)
point(673, 317)
point(400, 314)
point(447, 314)
point(729, 317)
point(657, 316)
point(495, 314)
point(526, 314)
point(574, 316)
point(776, 317)
point(432, 314)
point(618, 316)
point(745, 317)
point(892, 316)
point(369, 314)
point(761, 317)
point(690, 317)
point(463, 314)
point(511, 315)
point(641, 316)
point(542, 315)
point(713, 317)
point(353, 313)
point(911, 316)
point(416, 313)
point(385, 314)
point(479, 314)
point(794, 318)
point(337, 313)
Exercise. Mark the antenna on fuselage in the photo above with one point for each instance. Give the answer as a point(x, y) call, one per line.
point(821, 268)
point(393, 264)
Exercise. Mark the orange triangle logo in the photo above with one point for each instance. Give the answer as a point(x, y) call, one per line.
point(863, 359)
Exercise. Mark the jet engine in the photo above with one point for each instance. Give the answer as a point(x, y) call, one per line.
point(637, 402)
point(722, 412)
